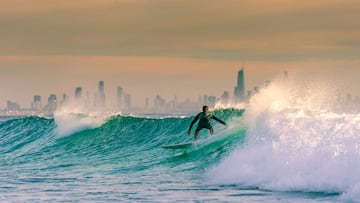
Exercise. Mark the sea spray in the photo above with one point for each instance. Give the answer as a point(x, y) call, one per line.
point(298, 139)
point(74, 117)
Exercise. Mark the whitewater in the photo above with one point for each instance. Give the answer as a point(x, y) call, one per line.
point(292, 142)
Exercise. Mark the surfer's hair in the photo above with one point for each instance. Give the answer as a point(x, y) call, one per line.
point(204, 107)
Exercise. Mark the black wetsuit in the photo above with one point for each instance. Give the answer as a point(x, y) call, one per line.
point(204, 121)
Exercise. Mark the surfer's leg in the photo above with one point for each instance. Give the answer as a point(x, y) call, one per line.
point(196, 134)
point(211, 130)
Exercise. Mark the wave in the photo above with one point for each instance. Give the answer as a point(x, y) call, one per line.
point(73, 139)
point(297, 140)
point(291, 137)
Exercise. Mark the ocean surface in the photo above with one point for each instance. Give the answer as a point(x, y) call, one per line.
point(269, 152)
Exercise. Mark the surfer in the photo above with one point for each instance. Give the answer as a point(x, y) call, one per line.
point(204, 121)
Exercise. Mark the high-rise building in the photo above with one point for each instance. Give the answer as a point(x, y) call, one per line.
point(127, 101)
point(159, 103)
point(256, 89)
point(209, 100)
point(120, 97)
point(101, 86)
point(52, 103)
point(100, 97)
point(36, 105)
point(147, 103)
point(239, 90)
point(225, 97)
point(78, 94)
point(64, 100)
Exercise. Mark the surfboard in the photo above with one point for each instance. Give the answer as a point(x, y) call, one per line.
point(178, 146)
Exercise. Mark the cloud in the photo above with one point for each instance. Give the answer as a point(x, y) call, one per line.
point(221, 30)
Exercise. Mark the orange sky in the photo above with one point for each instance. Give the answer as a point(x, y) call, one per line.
point(160, 46)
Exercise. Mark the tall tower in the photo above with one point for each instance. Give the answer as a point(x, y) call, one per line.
point(120, 96)
point(101, 94)
point(78, 94)
point(101, 86)
point(239, 90)
point(37, 102)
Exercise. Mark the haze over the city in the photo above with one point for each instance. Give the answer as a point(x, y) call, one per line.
point(173, 48)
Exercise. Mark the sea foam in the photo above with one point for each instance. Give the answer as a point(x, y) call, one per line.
point(298, 139)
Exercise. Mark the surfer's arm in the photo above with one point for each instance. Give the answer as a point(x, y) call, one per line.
point(218, 120)
point(193, 122)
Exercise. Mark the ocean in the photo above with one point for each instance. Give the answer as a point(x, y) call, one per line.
point(270, 152)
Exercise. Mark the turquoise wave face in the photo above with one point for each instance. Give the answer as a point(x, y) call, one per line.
point(130, 143)
point(120, 160)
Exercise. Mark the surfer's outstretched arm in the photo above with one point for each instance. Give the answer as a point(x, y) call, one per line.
point(218, 120)
point(192, 123)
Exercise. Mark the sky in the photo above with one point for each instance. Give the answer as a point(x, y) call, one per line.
point(173, 48)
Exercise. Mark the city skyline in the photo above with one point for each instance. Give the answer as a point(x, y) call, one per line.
point(184, 79)
point(95, 100)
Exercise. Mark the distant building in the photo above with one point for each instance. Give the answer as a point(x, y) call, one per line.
point(120, 97)
point(36, 105)
point(159, 103)
point(189, 106)
point(12, 106)
point(100, 97)
point(225, 97)
point(52, 104)
point(209, 100)
point(147, 104)
point(239, 90)
point(256, 89)
point(65, 99)
point(78, 93)
point(127, 101)
point(249, 94)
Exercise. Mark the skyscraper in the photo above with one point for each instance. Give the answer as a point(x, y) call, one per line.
point(100, 98)
point(37, 102)
point(239, 90)
point(147, 103)
point(78, 93)
point(120, 96)
point(101, 86)
point(127, 100)
point(52, 103)
point(64, 100)
point(159, 103)
point(225, 97)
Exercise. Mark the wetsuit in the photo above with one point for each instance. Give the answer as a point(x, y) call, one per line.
point(204, 121)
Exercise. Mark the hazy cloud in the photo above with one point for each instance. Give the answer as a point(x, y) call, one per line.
point(224, 30)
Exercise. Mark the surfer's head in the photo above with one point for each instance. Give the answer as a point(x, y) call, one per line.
point(205, 109)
